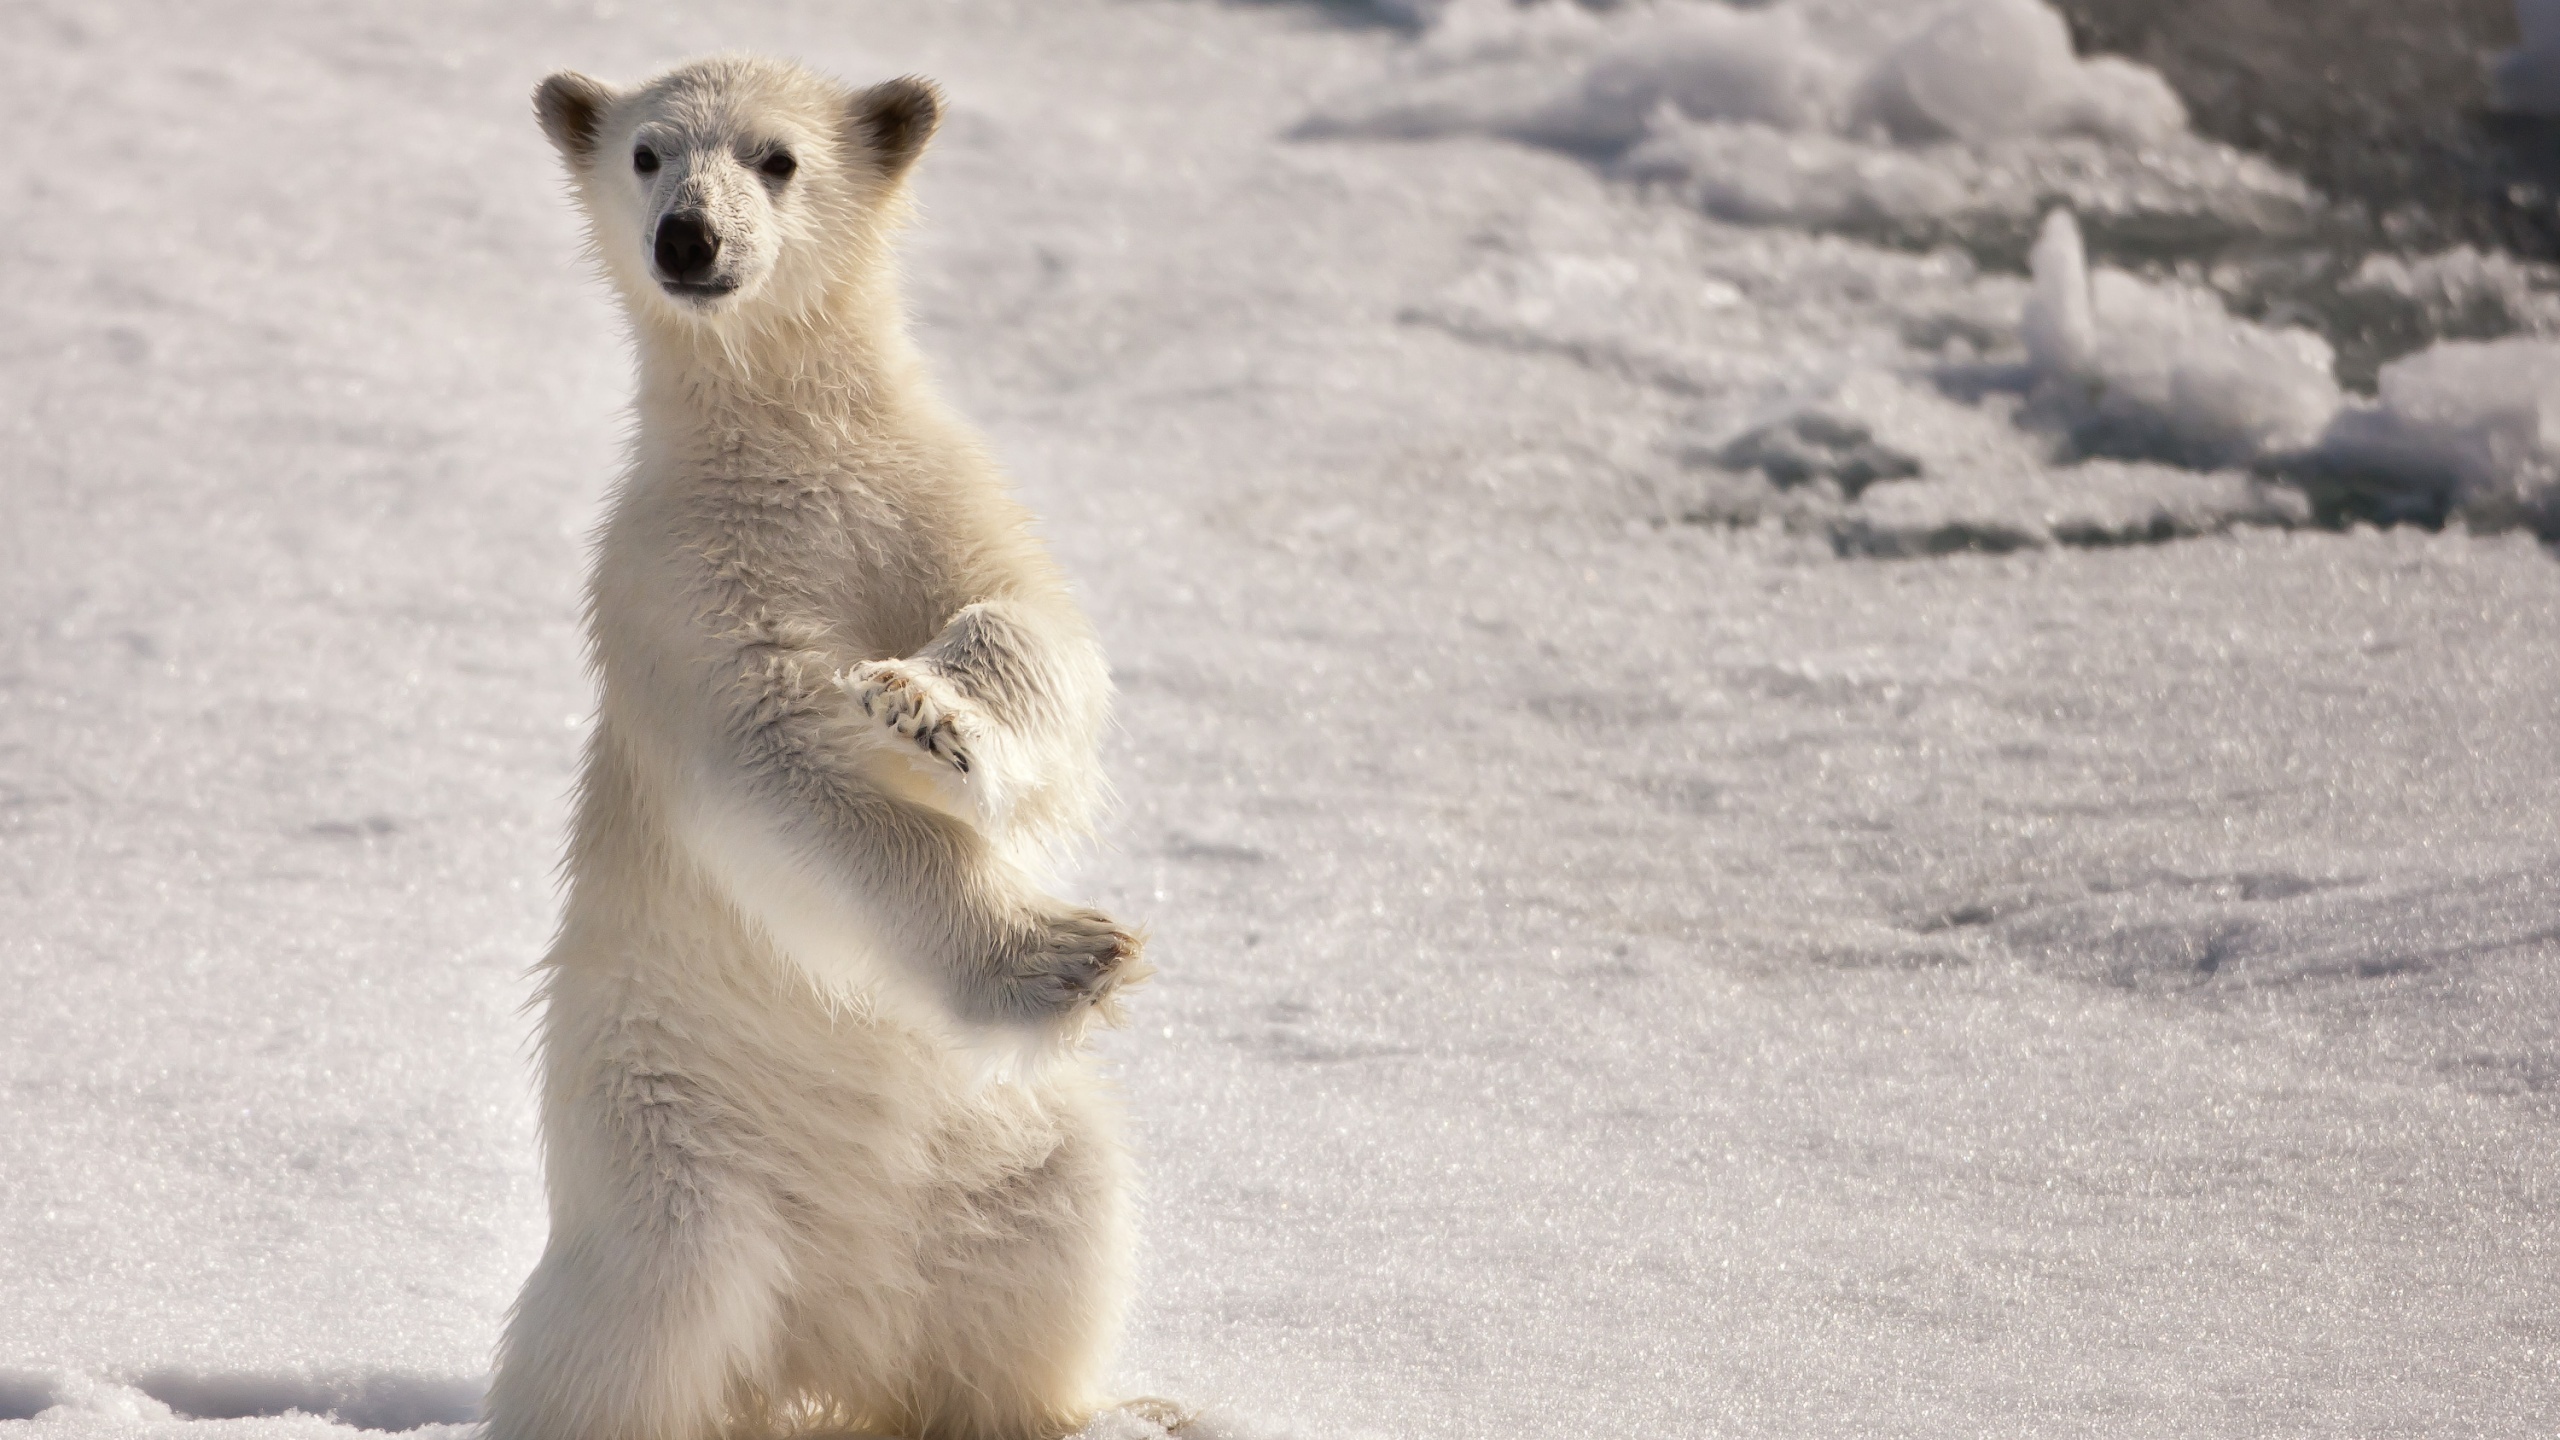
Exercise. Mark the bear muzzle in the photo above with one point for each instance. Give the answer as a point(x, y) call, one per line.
point(687, 253)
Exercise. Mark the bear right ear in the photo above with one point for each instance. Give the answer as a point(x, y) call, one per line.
point(895, 118)
point(571, 107)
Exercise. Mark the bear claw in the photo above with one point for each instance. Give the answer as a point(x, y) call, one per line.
point(896, 694)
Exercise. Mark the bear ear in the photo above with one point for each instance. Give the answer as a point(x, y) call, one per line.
point(571, 107)
point(895, 118)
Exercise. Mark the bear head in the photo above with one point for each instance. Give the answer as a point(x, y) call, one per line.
point(735, 187)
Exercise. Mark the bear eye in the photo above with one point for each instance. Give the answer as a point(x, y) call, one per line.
point(778, 165)
point(644, 160)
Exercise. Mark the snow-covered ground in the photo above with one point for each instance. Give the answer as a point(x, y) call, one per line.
point(1758, 821)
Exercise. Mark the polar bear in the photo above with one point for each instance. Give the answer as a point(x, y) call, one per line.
point(846, 707)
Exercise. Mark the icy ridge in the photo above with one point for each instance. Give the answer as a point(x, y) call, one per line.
point(1971, 124)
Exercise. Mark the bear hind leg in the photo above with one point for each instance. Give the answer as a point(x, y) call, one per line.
point(654, 1314)
point(1026, 1306)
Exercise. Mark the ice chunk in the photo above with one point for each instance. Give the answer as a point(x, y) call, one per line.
point(2463, 292)
point(1982, 71)
point(1971, 70)
point(2119, 100)
point(1761, 175)
point(2160, 370)
point(1987, 70)
point(1709, 64)
point(1758, 174)
point(2060, 328)
point(2467, 428)
point(1551, 75)
point(2526, 80)
point(2099, 503)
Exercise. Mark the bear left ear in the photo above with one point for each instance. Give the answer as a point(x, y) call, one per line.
point(896, 118)
point(571, 108)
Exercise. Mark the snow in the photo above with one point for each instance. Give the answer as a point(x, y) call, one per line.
point(2470, 427)
point(2461, 292)
point(1723, 859)
point(2000, 69)
point(1973, 70)
point(2162, 369)
point(1878, 118)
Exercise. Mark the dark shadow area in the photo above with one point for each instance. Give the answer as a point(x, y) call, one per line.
point(373, 1400)
point(2383, 103)
point(2343, 494)
point(24, 1396)
point(1351, 14)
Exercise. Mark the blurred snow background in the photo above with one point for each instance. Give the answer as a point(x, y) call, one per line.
point(1784, 783)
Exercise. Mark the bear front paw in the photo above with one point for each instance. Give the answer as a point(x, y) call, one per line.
point(1078, 959)
point(914, 705)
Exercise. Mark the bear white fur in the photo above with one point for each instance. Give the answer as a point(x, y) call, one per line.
point(846, 707)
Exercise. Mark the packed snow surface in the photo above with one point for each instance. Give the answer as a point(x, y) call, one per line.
point(1775, 794)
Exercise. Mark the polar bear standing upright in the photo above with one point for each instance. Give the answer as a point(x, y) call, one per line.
point(846, 705)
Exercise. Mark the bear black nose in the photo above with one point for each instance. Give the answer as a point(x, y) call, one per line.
point(686, 247)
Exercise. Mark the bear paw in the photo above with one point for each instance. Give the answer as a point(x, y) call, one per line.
point(1077, 959)
point(915, 705)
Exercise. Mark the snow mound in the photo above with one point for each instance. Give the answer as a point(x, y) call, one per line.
point(1985, 70)
point(2160, 370)
point(1922, 122)
point(1889, 466)
point(1556, 74)
point(1828, 473)
point(2096, 504)
point(180, 1402)
point(2466, 428)
point(2462, 293)
point(2179, 191)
